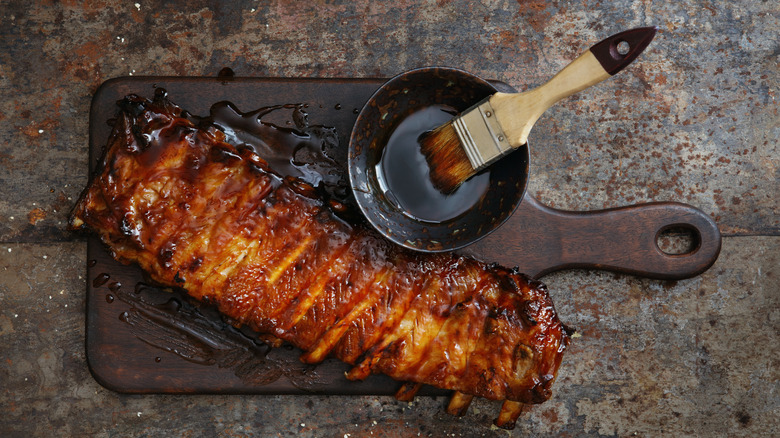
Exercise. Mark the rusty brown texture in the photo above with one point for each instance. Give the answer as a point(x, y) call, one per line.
point(694, 119)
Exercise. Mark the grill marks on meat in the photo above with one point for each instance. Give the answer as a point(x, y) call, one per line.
point(196, 213)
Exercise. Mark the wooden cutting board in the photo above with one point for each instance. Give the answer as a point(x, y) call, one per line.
point(141, 339)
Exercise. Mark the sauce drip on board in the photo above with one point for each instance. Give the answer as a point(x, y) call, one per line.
point(282, 136)
point(199, 335)
point(304, 151)
point(403, 172)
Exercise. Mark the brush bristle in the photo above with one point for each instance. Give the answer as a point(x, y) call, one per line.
point(449, 165)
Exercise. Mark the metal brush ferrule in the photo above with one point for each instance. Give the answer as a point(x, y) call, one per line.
point(481, 135)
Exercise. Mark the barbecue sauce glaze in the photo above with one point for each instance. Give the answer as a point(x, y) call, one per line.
point(329, 286)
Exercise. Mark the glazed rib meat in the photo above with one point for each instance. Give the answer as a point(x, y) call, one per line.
point(199, 214)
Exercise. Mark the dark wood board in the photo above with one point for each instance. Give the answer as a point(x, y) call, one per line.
point(138, 340)
point(144, 340)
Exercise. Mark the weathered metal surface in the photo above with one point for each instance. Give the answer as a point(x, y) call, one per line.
point(694, 119)
point(696, 357)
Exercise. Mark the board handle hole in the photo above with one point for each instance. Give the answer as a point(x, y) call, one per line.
point(678, 240)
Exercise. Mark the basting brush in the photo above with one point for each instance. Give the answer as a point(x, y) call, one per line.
point(500, 123)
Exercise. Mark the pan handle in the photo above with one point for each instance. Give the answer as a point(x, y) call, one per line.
point(540, 239)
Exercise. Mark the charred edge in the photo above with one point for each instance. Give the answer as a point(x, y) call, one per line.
point(132, 105)
point(139, 137)
point(165, 255)
point(528, 310)
point(542, 391)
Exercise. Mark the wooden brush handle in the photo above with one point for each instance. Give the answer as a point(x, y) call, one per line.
point(517, 113)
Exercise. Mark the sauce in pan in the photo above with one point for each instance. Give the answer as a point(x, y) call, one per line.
point(403, 173)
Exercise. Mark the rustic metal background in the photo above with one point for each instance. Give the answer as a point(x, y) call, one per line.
point(695, 119)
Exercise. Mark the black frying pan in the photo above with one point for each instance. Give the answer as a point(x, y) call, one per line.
point(473, 211)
